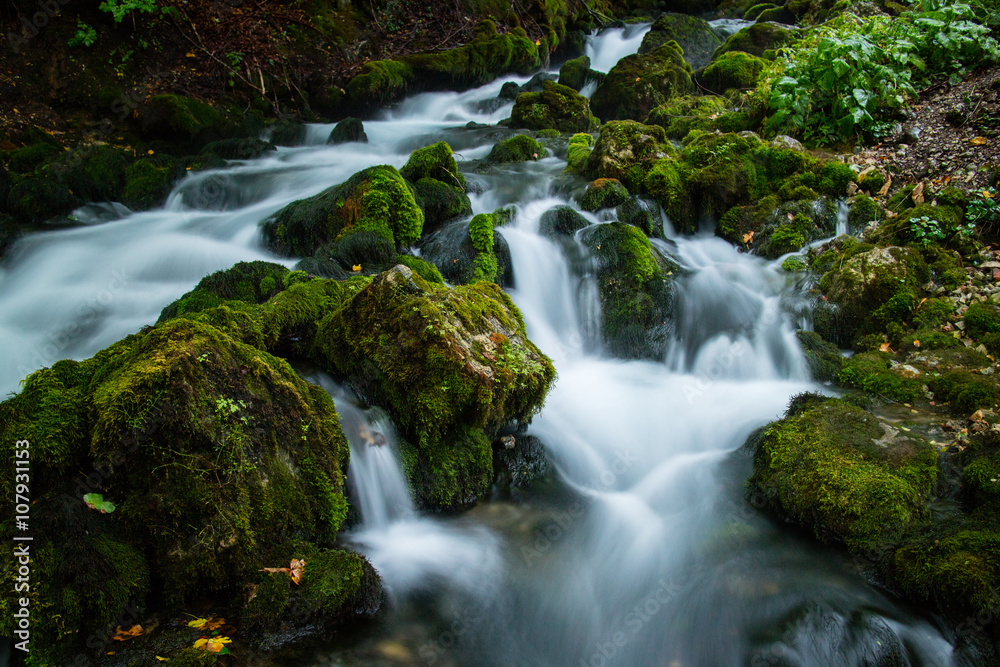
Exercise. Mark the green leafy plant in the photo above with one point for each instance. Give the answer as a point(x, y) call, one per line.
point(119, 9)
point(85, 35)
point(983, 211)
point(926, 231)
point(96, 501)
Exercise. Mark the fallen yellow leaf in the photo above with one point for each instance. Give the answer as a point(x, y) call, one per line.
point(162, 659)
point(884, 347)
point(125, 635)
point(748, 237)
point(978, 141)
point(213, 645)
point(356, 267)
point(916, 343)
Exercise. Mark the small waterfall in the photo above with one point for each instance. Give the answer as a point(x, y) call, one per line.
point(842, 214)
point(606, 47)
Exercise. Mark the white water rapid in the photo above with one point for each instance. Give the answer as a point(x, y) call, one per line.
point(642, 550)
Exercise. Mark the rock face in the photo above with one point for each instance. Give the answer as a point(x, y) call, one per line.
point(843, 474)
point(694, 35)
point(470, 252)
point(220, 461)
point(377, 201)
point(451, 365)
point(557, 107)
point(626, 150)
point(641, 82)
point(635, 290)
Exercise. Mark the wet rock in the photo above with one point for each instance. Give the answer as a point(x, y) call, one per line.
point(519, 148)
point(758, 39)
point(556, 107)
point(662, 73)
point(603, 193)
point(561, 222)
point(626, 150)
point(348, 130)
point(519, 462)
point(731, 71)
point(694, 35)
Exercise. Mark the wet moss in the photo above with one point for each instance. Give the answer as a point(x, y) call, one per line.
point(844, 475)
point(626, 150)
point(422, 268)
point(519, 148)
point(451, 365)
point(666, 185)
point(440, 202)
point(640, 83)
point(834, 177)
point(39, 199)
point(29, 158)
point(965, 391)
point(180, 119)
point(863, 211)
point(872, 372)
point(96, 173)
point(680, 115)
point(574, 73)
point(824, 358)
point(148, 182)
point(604, 193)
point(757, 39)
point(635, 289)
point(693, 34)
point(375, 200)
point(557, 107)
point(734, 70)
point(436, 161)
point(578, 152)
point(561, 222)
point(982, 318)
point(348, 130)
point(249, 282)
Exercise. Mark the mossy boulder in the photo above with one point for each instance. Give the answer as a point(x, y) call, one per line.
point(376, 200)
point(635, 290)
point(965, 391)
point(703, 112)
point(665, 183)
point(27, 159)
point(451, 365)
point(249, 148)
point(95, 173)
point(626, 151)
point(873, 372)
point(557, 107)
point(148, 182)
point(347, 131)
point(869, 288)
point(734, 70)
point(575, 73)
point(790, 226)
point(219, 459)
point(439, 187)
point(693, 34)
point(561, 222)
point(519, 148)
point(469, 252)
point(641, 82)
point(248, 282)
point(843, 474)
point(722, 171)
point(824, 358)
point(604, 193)
point(289, 133)
point(578, 152)
point(37, 199)
point(181, 120)
point(757, 39)
point(862, 212)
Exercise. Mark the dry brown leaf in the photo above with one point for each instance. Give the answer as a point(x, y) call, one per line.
point(916, 343)
point(748, 237)
point(884, 347)
point(885, 187)
point(918, 194)
point(125, 635)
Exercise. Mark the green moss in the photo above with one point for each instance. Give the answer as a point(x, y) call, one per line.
point(626, 150)
point(603, 193)
point(680, 115)
point(723, 173)
point(25, 160)
point(932, 313)
point(872, 372)
point(863, 210)
point(640, 83)
point(693, 34)
point(481, 233)
point(181, 119)
point(578, 152)
point(519, 148)
point(435, 161)
point(561, 222)
point(982, 318)
point(335, 583)
point(422, 268)
point(380, 82)
point(666, 185)
point(38, 199)
point(451, 365)
point(376, 200)
point(249, 282)
point(757, 39)
point(785, 239)
point(349, 130)
point(965, 391)
point(440, 203)
point(556, 107)
point(824, 359)
point(837, 471)
point(834, 178)
point(574, 73)
point(635, 290)
point(733, 70)
point(148, 182)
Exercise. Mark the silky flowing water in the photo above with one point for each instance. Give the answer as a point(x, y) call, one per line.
point(643, 550)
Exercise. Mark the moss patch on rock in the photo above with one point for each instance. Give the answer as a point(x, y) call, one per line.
point(557, 107)
point(641, 82)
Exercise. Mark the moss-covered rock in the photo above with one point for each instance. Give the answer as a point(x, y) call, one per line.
point(436, 161)
point(626, 150)
point(706, 113)
point(249, 282)
point(27, 159)
point(758, 38)
point(181, 120)
point(238, 149)
point(557, 107)
point(869, 288)
point(734, 70)
point(376, 200)
point(451, 365)
point(844, 475)
point(561, 222)
point(604, 193)
point(824, 359)
point(219, 459)
point(873, 372)
point(666, 185)
point(438, 185)
point(862, 212)
point(40, 198)
point(722, 172)
point(347, 131)
point(575, 73)
point(287, 133)
point(148, 182)
point(95, 173)
point(694, 35)
point(635, 289)
point(964, 391)
point(470, 252)
point(519, 148)
point(640, 83)
point(578, 152)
